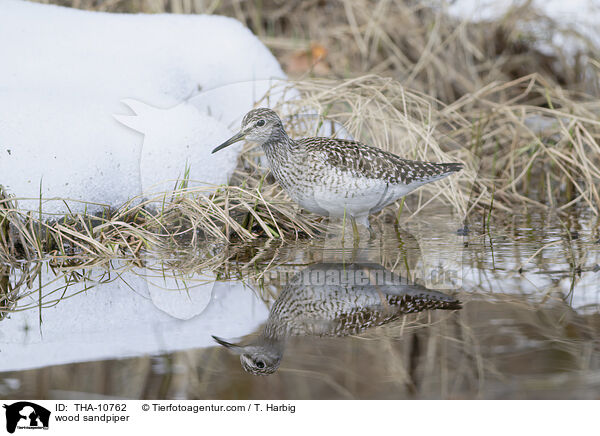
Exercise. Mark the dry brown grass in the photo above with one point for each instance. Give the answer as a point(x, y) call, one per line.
point(181, 217)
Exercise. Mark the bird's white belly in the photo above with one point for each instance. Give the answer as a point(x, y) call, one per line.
point(351, 196)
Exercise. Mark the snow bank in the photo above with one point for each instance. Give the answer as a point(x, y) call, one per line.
point(66, 72)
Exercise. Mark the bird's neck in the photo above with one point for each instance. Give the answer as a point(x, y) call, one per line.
point(273, 339)
point(274, 331)
point(279, 147)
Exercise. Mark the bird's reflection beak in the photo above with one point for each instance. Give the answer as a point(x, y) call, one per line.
point(233, 347)
point(235, 138)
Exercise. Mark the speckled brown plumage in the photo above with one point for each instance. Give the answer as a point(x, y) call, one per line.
point(362, 160)
point(336, 177)
point(345, 308)
point(335, 300)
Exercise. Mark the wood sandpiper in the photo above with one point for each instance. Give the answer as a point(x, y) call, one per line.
point(336, 177)
point(335, 300)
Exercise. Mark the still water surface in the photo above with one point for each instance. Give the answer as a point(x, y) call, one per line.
point(423, 311)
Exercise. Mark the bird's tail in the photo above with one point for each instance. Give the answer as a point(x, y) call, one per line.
point(449, 168)
point(426, 300)
point(438, 171)
point(450, 304)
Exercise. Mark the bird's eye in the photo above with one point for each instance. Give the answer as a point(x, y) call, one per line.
point(260, 364)
point(260, 123)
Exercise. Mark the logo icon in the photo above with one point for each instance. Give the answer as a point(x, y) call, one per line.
point(26, 415)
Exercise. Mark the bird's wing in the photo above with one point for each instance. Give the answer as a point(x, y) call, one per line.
point(362, 160)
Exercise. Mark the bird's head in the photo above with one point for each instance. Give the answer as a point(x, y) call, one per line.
point(258, 359)
point(259, 125)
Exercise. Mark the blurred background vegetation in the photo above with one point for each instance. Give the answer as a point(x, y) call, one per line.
point(415, 42)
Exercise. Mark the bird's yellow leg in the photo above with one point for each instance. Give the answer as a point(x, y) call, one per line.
point(372, 234)
point(355, 230)
point(355, 245)
point(344, 228)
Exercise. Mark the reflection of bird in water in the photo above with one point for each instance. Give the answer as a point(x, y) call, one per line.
point(335, 300)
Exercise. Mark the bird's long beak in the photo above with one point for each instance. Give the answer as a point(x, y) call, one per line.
point(233, 347)
point(235, 138)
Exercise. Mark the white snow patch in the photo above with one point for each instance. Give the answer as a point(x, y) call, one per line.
point(66, 73)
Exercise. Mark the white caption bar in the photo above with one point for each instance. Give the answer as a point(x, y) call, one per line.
point(152, 417)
